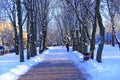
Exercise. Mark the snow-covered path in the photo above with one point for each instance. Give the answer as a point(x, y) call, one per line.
point(56, 65)
point(11, 68)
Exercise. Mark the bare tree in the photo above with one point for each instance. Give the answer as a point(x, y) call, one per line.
point(78, 7)
point(10, 8)
point(102, 31)
point(43, 14)
point(19, 14)
point(113, 9)
point(28, 8)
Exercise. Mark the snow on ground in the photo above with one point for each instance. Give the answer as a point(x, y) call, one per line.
point(108, 69)
point(11, 68)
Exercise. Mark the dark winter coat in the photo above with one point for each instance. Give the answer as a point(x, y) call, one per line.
point(67, 46)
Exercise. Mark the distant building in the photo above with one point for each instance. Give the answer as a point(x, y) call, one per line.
point(25, 39)
point(7, 34)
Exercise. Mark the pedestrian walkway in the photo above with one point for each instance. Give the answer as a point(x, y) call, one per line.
point(55, 66)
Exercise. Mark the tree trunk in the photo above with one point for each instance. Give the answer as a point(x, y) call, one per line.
point(28, 35)
point(102, 31)
point(16, 37)
point(73, 41)
point(32, 29)
point(113, 31)
point(44, 37)
point(92, 41)
point(20, 30)
point(35, 24)
point(16, 43)
point(77, 39)
point(40, 46)
point(113, 39)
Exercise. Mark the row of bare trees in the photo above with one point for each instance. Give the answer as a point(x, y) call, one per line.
point(37, 22)
point(80, 20)
point(30, 16)
point(113, 11)
point(77, 22)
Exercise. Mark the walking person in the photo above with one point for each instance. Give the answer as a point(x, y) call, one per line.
point(67, 46)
